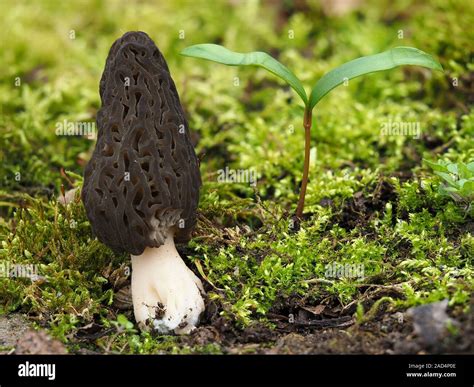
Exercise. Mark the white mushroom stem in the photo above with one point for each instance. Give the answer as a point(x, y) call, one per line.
point(166, 294)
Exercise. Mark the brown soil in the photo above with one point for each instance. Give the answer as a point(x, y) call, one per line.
point(39, 343)
point(314, 330)
point(293, 327)
point(16, 336)
point(12, 328)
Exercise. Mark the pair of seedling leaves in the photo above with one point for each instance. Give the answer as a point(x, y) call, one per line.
point(386, 60)
point(395, 57)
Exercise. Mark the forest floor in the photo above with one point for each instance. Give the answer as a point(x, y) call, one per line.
point(382, 261)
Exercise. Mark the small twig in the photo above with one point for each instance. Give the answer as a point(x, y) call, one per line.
point(64, 174)
point(443, 147)
point(204, 276)
point(338, 322)
point(319, 280)
point(396, 286)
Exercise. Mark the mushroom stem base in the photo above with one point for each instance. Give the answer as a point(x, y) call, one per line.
point(166, 293)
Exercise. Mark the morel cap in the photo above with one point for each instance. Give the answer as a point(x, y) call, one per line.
point(143, 177)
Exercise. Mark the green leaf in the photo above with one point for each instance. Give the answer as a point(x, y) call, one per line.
point(464, 172)
point(219, 54)
point(446, 177)
point(453, 168)
point(440, 166)
point(395, 57)
point(467, 190)
point(123, 321)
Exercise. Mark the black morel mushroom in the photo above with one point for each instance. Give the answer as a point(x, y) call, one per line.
point(141, 186)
